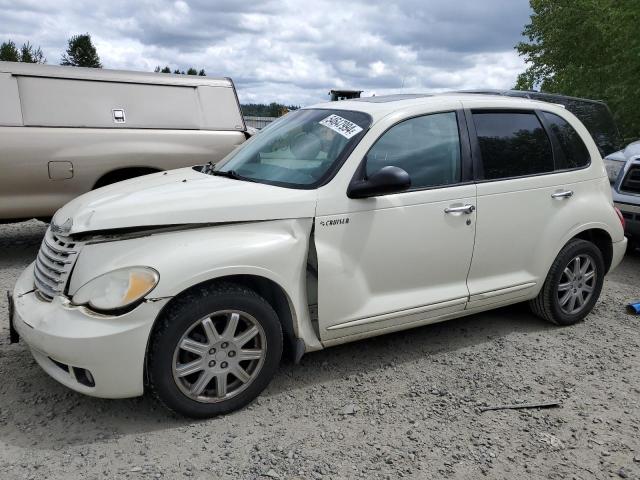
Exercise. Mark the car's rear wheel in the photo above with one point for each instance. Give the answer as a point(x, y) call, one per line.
point(214, 350)
point(573, 284)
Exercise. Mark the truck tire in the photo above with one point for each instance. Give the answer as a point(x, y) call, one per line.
point(573, 284)
point(214, 350)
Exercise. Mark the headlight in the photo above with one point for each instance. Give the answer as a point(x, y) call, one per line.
point(613, 168)
point(117, 289)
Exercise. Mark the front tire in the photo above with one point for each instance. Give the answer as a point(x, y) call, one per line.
point(573, 284)
point(214, 350)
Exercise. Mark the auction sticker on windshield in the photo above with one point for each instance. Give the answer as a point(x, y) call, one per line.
point(341, 125)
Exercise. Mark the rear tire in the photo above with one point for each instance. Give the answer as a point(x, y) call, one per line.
point(214, 350)
point(573, 284)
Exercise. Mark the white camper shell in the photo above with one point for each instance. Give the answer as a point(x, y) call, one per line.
point(67, 130)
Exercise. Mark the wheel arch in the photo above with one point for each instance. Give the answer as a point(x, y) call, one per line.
point(545, 305)
point(271, 291)
point(596, 233)
point(601, 239)
point(124, 173)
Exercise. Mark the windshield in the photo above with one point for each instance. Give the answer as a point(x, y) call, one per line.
point(301, 150)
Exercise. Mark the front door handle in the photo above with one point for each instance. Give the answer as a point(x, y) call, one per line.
point(461, 209)
point(564, 194)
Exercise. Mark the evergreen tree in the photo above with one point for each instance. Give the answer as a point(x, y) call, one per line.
point(177, 71)
point(9, 52)
point(262, 110)
point(27, 53)
point(81, 53)
point(30, 54)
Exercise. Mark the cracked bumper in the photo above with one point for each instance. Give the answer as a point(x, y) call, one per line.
point(111, 348)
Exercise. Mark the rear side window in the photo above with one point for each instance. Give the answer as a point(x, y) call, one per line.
point(512, 144)
point(595, 116)
point(427, 148)
point(574, 151)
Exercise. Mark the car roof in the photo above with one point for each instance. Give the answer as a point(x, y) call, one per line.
point(532, 94)
point(382, 106)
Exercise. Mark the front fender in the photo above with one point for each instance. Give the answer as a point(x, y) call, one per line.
point(276, 250)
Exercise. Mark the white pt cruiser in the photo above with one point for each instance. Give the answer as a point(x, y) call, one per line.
point(337, 222)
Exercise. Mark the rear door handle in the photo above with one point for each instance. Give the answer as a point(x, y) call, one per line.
point(564, 194)
point(461, 209)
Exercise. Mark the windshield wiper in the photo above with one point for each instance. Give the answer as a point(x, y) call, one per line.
point(230, 174)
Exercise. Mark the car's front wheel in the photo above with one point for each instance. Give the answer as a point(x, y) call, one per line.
point(214, 350)
point(573, 284)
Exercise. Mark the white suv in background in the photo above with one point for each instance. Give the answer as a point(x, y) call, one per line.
point(338, 222)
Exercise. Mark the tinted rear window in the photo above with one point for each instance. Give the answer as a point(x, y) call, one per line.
point(512, 144)
point(595, 116)
point(599, 121)
point(574, 151)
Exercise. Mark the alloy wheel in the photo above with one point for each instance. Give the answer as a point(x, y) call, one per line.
point(577, 283)
point(219, 356)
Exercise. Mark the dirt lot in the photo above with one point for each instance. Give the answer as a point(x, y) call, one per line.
point(403, 405)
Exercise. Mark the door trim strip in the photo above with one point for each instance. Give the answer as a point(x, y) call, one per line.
point(502, 291)
point(400, 313)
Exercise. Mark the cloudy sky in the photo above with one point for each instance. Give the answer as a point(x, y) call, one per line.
point(291, 51)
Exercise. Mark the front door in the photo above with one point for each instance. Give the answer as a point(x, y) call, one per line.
point(404, 258)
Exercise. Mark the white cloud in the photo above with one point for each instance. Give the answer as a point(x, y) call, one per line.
point(287, 50)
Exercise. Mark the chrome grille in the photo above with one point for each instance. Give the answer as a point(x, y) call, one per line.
point(54, 263)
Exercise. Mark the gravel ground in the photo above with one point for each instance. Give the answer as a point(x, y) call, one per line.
point(402, 405)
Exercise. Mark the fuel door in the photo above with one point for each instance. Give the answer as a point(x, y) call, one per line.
point(60, 170)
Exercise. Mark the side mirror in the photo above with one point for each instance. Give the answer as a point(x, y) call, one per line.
point(385, 181)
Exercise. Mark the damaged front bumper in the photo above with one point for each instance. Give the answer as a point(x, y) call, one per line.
point(94, 354)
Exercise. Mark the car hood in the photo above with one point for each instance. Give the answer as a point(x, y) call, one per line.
point(180, 197)
point(632, 149)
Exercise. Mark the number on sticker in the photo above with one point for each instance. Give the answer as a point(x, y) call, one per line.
point(341, 125)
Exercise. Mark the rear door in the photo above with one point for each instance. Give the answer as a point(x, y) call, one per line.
point(526, 191)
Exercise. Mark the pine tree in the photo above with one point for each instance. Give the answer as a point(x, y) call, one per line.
point(30, 54)
point(177, 71)
point(9, 52)
point(81, 53)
